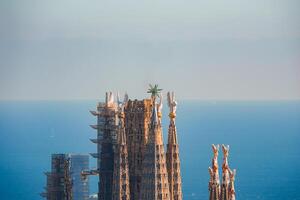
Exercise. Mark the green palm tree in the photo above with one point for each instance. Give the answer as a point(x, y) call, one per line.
point(154, 91)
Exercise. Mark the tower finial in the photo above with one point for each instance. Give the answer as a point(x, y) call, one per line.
point(172, 103)
point(154, 91)
point(173, 161)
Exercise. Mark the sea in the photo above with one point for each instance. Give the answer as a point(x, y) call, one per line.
point(264, 139)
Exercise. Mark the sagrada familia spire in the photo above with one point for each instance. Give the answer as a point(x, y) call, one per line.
point(226, 191)
point(173, 161)
point(107, 115)
point(155, 184)
point(214, 183)
point(121, 172)
point(225, 174)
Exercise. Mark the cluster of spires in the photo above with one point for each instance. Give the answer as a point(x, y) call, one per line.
point(226, 190)
point(161, 178)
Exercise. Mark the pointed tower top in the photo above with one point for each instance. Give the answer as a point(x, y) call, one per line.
point(156, 110)
point(172, 136)
point(172, 103)
point(154, 117)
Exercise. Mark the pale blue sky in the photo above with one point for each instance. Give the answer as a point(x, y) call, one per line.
point(202, 49)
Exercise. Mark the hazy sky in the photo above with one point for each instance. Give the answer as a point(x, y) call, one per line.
point(201, 49)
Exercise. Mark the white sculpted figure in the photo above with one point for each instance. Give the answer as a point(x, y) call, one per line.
point(121, 104)
point(172, 103)
point(159, 107)
point(160, 104)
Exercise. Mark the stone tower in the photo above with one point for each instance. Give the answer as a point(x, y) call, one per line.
point(59, 180)
point(155, 184)
point(173, 161)
point(225, 174)
point(137, 120)
point(106, 139)
point(121, 171)
point(228, 177)
point(214, 182)
point(232, 174)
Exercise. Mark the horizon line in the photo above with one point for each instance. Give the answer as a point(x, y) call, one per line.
point(183, 99)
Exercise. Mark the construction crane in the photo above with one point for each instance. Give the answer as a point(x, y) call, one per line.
point(92, 172)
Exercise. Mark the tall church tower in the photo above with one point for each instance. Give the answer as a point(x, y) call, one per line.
point(121, 173)
point(137, 120)
point(214, 182)
point(106, 139)
point(155, 184)
point(173, 161)
point(225, 174)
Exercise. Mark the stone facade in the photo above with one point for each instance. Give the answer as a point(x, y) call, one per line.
point(121, 172)
point(137, 120)
point(155, 185)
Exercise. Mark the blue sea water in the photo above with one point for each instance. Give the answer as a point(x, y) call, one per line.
point(263, 136)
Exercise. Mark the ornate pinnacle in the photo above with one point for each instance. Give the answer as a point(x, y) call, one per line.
point(215, 158)
point(172, 103)
point(225, 150)
point(154, 91)
point(157, 108)
point(214, 182)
